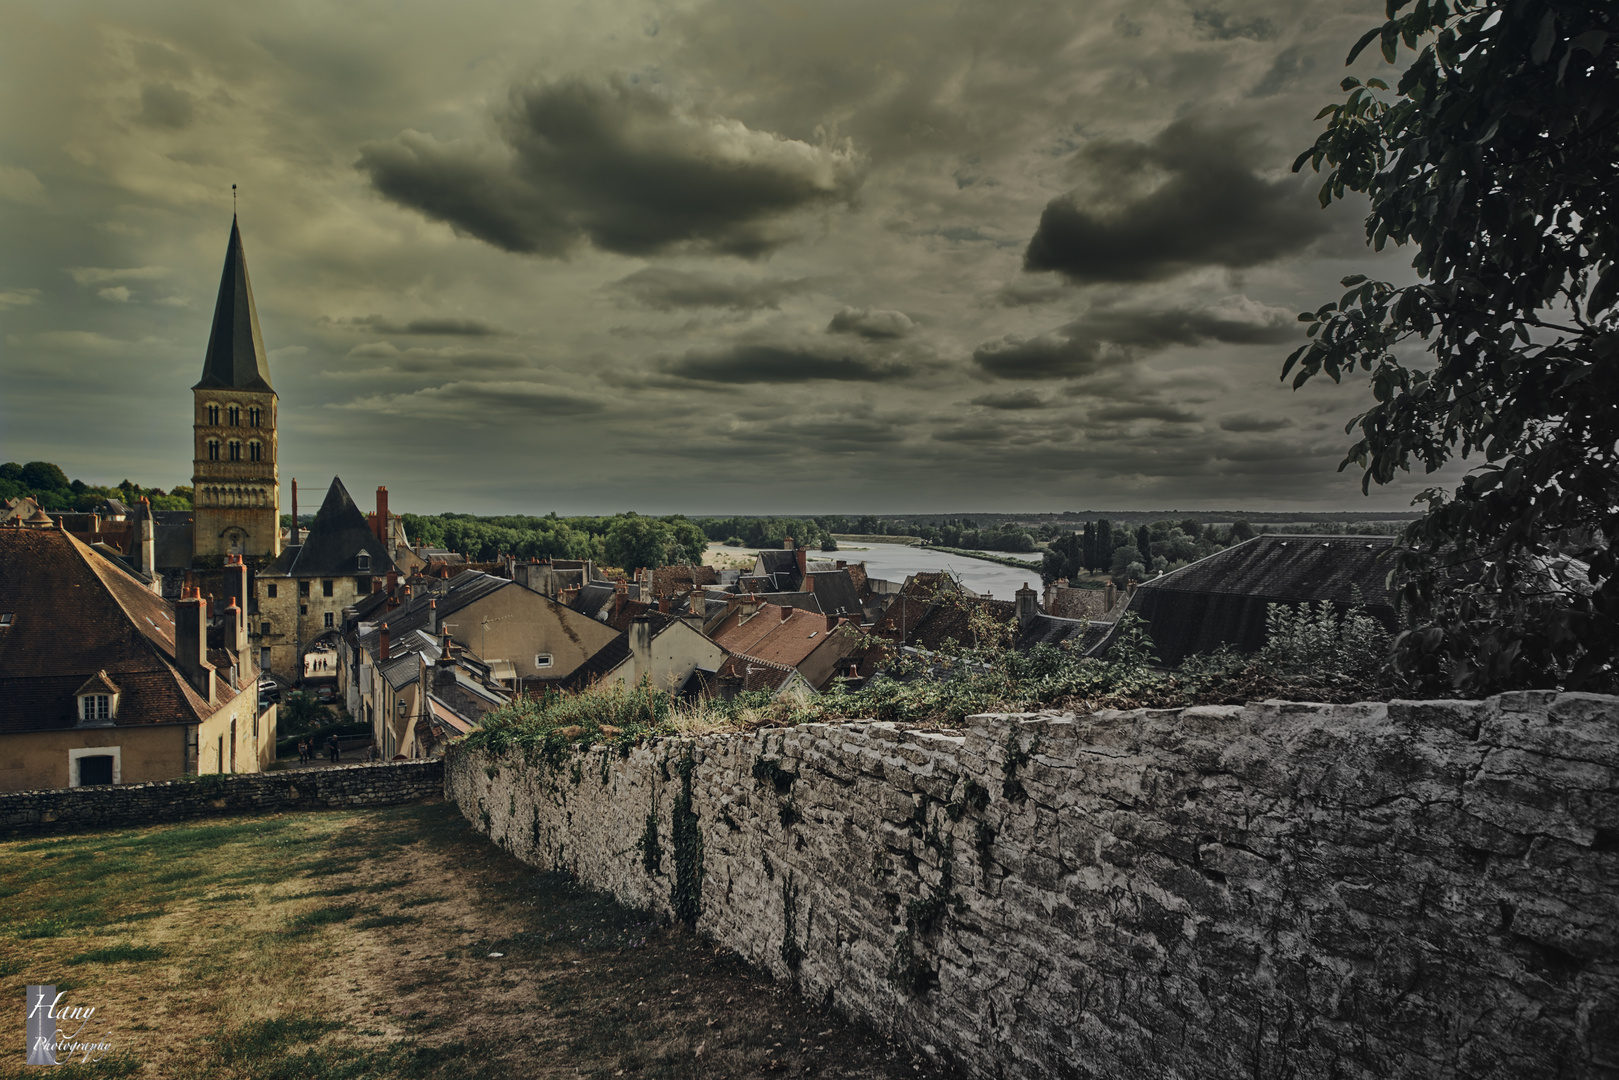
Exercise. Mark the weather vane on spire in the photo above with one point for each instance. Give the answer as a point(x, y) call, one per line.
point(233, 200)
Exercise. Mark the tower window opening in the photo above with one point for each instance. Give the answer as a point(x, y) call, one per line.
point(213, 416)
point(235, 450)
point(253, 415)
point(213, 449)
point(235, 414)
point(253, 451)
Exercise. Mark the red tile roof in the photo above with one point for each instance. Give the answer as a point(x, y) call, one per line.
point(74, 615)
point(772, 634)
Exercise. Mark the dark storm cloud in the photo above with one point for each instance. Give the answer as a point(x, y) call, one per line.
point(1191, 197)
point(1217, 24)
point(165, 106)
point(1249, 422)
point(1113, 337)
point(1290, 65)
point(664, 289)
point(434, 327)
point(616, 164)
point(1016, 401)
point(871, 323)
point(1169, 414)
point(759, 363)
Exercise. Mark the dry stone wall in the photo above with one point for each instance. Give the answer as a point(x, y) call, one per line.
point(1277, 890)
point(28, 813)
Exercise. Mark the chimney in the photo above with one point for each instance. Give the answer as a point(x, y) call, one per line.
point(432, 616)
point(294, 538)
point(382, 515)
point(641, 646)
point(382, 642)
point(148, 541)
point(236, 581)
point(191, 643)
point(803, 563)
point(787, 544)
point(786, 612)
point(665, 605)
point(1028, 606)
point(236, 628)
point(831, 623)
point(1109, 592)
point(843, 564)
point(750, 605)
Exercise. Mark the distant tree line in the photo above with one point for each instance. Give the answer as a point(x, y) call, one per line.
point(49, 486)
point(626, 541)
point(1125, 554)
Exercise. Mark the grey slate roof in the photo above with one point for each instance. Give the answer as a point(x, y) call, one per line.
point(1223, 599)
point(235, 358)
point(335, 540)
point(835, 592)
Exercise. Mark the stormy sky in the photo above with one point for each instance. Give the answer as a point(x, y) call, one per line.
point(715, 256)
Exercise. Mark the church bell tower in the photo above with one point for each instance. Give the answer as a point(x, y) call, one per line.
point(236, 499)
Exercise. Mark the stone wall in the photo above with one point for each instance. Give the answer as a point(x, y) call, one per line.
point(29, 813)
point(1281, 890)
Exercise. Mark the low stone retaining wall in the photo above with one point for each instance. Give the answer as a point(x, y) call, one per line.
point(1277, 890)
point(28, 813)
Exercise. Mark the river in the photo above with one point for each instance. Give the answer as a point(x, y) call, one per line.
point(892, 562)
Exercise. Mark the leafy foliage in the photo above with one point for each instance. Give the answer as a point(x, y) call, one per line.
point(1494, 158)
point(50, 487)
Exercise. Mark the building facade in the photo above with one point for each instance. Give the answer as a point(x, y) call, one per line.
point(236, 486)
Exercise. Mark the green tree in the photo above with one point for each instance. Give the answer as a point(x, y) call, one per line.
point(43, 476)
point(633, 542)
point(1494, 159)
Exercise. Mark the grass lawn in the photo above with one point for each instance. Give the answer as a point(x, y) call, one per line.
point(355, 944)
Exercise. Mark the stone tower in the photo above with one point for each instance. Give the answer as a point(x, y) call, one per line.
point(237, 491)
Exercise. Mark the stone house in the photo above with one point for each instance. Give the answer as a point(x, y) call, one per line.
point(814, 645)
point(654, 647)
point(302, 593)
point(104, 682)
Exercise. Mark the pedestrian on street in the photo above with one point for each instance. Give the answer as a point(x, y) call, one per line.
point(303, 751)
point(331, 748)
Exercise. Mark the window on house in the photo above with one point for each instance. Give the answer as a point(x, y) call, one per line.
point(235, 414)
point(253, 417)
point(95, 770)
point(542, 660)
point(213, 449)
point(269, 592)
point(252, 451)
point(364, 559)
point(264, 629)
point(303, 609)
point(362, 585)
point(95, 707)
point(5, 619)
point(213, 416)
point(235, 450)
point(326, 588)
point(303, 588)
point(328, 620)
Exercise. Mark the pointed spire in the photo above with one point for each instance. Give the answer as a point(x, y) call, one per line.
point(235, 347)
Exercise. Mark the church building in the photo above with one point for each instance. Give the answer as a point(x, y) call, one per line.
point(236, 487)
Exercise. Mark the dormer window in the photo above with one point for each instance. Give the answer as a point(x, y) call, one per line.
point(97, 700)
point(363, 562)
point(5, 620)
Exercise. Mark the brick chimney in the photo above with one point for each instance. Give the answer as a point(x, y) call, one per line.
point(831, 623)
point(293, 539)
point(191, 643)
point(1028, 606)
point(803, 562)
point(787, 544)
point(786, 612)
point(148, 540)
point(236, 629)
point(432, 616)
point(665, 605)
point(382, 642)
point(641, 646)
point(381, 521)
point(236, 581)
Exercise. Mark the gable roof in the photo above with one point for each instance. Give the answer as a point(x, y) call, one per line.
point(74, 617)
point(835, 592)
point(335, 540)
point(1223, 599)
point(772, 634)
point(235, 358)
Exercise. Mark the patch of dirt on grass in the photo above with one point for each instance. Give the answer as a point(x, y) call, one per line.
point(388, 943)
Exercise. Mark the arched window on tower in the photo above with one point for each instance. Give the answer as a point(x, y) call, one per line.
point(253, 416)
point(213, 416)
point(253, 450)
point(234, 412)
point(235, 450)
point(213, 449)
